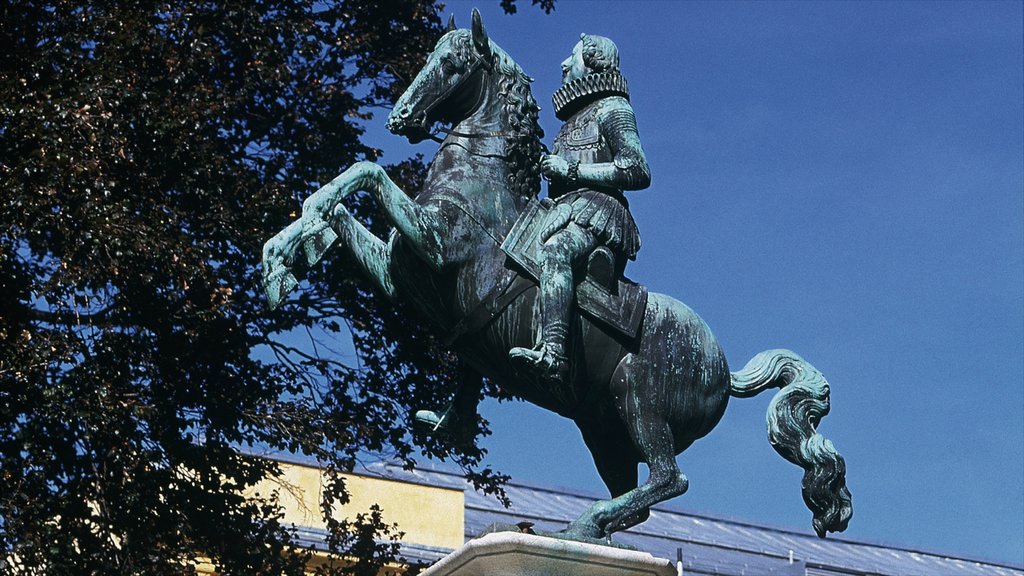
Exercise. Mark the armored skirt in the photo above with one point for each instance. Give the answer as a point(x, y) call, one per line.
point(606, 215)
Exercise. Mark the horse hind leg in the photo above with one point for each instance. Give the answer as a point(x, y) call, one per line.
point(616, 462)
point(654, 443)
point(664, 482)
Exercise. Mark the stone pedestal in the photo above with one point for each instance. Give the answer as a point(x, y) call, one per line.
point(515, 554)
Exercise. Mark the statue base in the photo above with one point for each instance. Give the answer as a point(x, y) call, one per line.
point(518, 554)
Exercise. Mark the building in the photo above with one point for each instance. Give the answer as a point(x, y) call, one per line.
point(439, 511)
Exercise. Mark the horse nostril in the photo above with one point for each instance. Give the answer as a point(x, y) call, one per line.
point(399, 115)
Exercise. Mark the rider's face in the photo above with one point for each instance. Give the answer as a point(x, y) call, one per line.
point(573, 66)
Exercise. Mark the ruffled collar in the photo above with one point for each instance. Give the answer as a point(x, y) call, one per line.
point(572, 96)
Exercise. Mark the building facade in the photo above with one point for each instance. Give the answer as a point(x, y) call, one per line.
point(439, 511)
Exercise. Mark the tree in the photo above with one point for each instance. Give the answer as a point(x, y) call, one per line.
point(146, 152)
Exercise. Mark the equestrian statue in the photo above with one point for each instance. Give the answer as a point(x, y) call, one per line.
point(531, 293)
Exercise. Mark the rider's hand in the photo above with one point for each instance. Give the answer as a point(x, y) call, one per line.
point(554, 168)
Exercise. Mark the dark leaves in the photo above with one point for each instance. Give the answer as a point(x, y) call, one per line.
point(509, 6)
point(146, 153)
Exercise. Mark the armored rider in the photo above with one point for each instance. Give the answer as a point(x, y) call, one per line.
point(596, 156)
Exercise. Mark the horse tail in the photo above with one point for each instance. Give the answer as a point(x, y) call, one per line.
point(793, 415)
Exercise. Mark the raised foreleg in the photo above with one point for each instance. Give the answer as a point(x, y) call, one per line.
point(278, 255)
point(371, 253)
point(415, 224)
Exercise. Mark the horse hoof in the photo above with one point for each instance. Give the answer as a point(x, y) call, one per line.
point(431, 419)
point(583, 532)
point(277, 285)
point(317, 240)
point(586, 536)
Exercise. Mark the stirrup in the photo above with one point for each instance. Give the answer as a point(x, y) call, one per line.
point(543, 360)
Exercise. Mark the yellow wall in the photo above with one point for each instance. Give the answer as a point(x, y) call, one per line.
point(428, 515)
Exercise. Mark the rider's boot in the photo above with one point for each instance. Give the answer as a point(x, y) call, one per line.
point(547, 360)
point(458, 419)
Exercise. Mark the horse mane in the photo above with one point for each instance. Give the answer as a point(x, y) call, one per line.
point(521, 116)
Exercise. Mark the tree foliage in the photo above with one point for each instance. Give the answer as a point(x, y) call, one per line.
point(147, 150)
point(547, 6)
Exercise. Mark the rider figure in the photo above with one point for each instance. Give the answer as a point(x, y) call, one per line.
point(596, 156)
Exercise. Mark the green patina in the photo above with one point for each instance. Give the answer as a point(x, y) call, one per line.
point(531, 294)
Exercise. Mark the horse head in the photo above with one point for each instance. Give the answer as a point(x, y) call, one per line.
point(450, 86)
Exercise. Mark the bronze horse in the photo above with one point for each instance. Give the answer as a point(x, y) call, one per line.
point(641, 399)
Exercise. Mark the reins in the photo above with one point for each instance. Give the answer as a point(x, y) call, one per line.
point(484, 134)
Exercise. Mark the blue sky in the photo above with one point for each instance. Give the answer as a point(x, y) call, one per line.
point(845, 180)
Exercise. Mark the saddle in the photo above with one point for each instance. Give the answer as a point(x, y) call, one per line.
point(604, 294)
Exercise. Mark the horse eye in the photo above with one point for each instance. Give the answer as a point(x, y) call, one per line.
point(448, 66)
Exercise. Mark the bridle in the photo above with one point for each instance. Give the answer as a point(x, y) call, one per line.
point(479, 64)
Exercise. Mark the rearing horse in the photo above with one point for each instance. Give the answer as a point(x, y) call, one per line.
point(640, 400)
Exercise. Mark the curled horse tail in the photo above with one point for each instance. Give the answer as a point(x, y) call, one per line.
point(793, 417)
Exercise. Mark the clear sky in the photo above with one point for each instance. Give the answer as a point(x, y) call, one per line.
point(845, 180)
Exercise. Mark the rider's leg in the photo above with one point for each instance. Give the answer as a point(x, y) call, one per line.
point(559, 255)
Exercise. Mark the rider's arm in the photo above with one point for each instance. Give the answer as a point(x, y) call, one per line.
point(628, 170)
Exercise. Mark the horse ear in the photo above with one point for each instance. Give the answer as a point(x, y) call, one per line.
point(480, 41)
point(451, 23)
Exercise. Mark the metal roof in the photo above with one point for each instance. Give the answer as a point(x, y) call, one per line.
point(709, 545)
point(316, 539)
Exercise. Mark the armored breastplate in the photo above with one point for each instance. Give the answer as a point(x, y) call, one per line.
point(580, 140)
